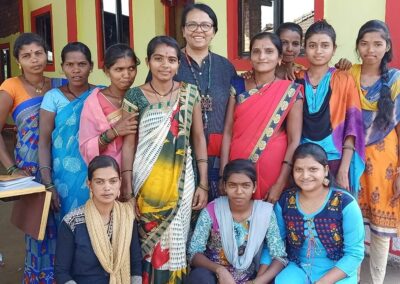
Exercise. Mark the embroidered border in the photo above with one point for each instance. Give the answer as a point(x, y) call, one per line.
point(272, 123)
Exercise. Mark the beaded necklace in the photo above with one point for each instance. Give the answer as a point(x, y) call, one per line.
point(206, 99)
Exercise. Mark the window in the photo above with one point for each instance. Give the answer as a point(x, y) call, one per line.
point(173, 14)
point(114, 24)
point(41, 22)
point(5, 64)
point(246, 18)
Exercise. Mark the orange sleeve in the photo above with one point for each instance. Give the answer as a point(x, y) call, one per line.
point(14, 88)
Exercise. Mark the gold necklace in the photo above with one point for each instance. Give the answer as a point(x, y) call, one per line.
point(38, 90)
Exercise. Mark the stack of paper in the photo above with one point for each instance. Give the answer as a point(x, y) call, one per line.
point(7, 180)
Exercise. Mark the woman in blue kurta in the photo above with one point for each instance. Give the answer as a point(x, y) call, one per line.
point(62, 168)
point(322, 225)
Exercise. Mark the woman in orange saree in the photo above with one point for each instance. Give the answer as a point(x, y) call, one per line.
point(264, 119)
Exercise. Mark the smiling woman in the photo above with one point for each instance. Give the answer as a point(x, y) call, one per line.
point(169, 118)
point(331, 112)
point(270, 108)
point(316, 254)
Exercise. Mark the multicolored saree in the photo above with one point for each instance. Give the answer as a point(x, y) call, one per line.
point(331, 113)
point(163, 182)
point(258, 134)
point(69, 170)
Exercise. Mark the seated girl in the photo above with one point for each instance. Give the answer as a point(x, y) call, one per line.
point(99, 242)
point(231, 231)
point(322, 224)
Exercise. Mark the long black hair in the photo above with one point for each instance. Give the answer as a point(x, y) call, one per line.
point(385, 102)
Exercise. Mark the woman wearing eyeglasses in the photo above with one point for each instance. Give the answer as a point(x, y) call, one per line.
point(212, 74)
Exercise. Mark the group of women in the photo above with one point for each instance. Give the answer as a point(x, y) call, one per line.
point(195, 133)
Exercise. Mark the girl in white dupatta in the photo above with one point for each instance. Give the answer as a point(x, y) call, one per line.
point(231, 231)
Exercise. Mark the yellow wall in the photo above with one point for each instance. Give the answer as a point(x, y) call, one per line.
point(347, 17)
point(219, 43)
point(148, 21)
point(86, 25)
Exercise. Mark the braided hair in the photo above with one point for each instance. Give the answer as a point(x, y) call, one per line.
point(385, 102)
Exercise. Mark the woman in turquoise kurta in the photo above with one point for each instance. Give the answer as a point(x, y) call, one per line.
point(62, 168)
point(322, 224)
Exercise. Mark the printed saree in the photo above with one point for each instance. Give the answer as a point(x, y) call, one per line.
point(332, 119)
point(163, 182)
point(69, 170)
point(381, 154)
point(258, 134)
point(39, 255)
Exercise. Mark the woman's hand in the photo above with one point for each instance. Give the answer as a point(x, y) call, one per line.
point(224, 276)
point(125, 192)
point(274, 193)
point(200, 199)
point(21, 172)
point(343, 64)
point(55, 204)
point(396, 191)
point(127, 125)
point(342, 178)
point(247, 75)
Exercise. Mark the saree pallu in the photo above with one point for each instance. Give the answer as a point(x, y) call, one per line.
point(69, 170)
point(258, 134)
point(95, 119)
point(164, 186)
point(381, 155)
point(339, 117)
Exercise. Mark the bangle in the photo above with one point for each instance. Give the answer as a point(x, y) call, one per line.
point(202, 160)
point(349, 147)
point(105, 138)
point(116, 134)
point(287, 163)
point(12, 169)
point(44, 167)
point(203, 187)
point(126, 171)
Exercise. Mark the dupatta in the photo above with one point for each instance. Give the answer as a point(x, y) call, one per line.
point(369, 104)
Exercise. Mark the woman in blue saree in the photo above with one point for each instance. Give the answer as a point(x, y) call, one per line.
point(21, 97)
point(62, 168)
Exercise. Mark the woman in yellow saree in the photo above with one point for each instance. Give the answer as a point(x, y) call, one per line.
point(163, 180)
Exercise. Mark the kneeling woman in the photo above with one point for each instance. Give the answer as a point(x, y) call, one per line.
point(99, 242)
point(231, 231)
point(322, 225)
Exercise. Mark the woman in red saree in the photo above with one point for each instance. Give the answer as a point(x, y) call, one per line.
point(264, 119)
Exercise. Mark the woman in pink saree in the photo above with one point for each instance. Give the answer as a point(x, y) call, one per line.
point(264, 119)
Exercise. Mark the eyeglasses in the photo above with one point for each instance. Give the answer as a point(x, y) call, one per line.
point(204, 26)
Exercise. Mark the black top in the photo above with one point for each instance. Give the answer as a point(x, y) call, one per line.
point(316, 126)
point(75, 257)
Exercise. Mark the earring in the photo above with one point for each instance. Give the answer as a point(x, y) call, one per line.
point(19, 66)
point(326, 181)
